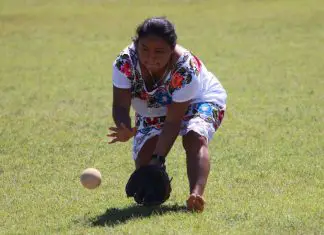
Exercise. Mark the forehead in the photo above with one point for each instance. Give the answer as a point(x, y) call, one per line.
point(153, 41)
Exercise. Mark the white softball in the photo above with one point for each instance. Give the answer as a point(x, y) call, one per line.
point(90, 178)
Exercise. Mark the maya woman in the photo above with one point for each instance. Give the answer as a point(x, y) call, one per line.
point(172, 93)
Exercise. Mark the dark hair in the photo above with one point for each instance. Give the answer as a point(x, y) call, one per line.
point(157, 26)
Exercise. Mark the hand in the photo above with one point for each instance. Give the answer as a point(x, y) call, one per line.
point(157, 160)
point(121, 134)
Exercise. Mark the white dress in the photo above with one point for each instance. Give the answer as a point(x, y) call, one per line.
point(188, 80)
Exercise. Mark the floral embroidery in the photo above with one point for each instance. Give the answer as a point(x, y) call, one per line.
point(123, 63)
point(137, 87)
point(159, 98)
point(126, 69)
point(179, 79)
point(209, 115)
point(133, 55)
point(146, 124)
point(163, 98)
point(195, 65)
point(181, 75)
point(218, 116)
point(143, 95)
point(205, 109)
point(182, 61)
point(176, 81)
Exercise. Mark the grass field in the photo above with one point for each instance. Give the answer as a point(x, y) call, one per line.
point(267, 172)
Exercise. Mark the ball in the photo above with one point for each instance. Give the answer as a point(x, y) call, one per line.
point(90, 178)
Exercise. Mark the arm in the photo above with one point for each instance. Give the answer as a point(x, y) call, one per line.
point(121, 106)
point(171, 127)
point(190, 86)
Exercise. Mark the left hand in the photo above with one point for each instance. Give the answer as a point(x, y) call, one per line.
point(157, 161)
point(121, 134)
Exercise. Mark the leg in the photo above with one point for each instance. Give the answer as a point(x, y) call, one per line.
point(145, 154)
point(198, 164)
point(198, 167)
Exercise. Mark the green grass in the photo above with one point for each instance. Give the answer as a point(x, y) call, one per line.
point(267, 172)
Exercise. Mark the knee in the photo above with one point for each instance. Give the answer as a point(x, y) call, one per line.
point(194, 144)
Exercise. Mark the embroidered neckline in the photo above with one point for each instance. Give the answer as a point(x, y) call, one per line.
point(167, 77)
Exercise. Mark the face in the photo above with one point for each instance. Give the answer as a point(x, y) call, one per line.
point(154, 53)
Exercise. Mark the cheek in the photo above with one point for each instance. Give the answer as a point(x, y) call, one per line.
point(162, 59)
point(165, 58)
point(143, 56)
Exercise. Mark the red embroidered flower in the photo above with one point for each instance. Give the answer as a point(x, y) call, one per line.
point(152, 121)
point(220, 115)
point(197, 62)
point(143, 95)
point(126, 69)
point(176, 80)
point(159, 126)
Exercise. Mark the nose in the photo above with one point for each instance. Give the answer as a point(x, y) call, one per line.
point(151, 58)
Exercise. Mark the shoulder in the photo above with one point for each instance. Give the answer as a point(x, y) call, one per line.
point(126, 54)
point(186, 62)
point(185, 74)
point(126, 60)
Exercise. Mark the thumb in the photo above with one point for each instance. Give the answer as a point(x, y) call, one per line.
point(123, 125)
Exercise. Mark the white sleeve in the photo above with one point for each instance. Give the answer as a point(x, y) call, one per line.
point(119, 79)
point(188, 92)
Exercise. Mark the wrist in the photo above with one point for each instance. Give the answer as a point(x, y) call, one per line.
point(157, 160)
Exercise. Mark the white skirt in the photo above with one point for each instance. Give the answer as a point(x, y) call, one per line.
point(202, 118)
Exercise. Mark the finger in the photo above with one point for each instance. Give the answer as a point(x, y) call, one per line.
point(112, 135)
point(123, 126)
point(113, 141)
point(115, 129)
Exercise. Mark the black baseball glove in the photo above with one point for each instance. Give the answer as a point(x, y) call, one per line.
point(149, 185)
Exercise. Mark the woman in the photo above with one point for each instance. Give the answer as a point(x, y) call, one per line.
point(173, 94)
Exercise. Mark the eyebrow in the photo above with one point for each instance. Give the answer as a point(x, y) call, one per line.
point(143, 45)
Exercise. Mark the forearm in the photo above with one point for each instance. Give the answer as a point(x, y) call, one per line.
point(121, 115)
point(167, 138)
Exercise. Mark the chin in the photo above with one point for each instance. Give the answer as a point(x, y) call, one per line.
point(153, 68)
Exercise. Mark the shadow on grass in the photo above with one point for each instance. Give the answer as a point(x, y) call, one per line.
point(115, 216)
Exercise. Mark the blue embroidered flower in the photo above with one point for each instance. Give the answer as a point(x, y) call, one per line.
point(146, 130)
point(205, 109)
point(162, 97)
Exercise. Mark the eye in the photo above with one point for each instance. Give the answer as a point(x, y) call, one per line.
point(143, 48)
point(159, 52)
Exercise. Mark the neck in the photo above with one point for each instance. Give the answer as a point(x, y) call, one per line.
point(157, 78)
point(160, 72)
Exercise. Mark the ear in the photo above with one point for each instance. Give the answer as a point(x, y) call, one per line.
point(135, 41)
point(173, 57)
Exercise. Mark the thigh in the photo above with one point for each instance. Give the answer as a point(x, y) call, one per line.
point(203, 119)
point(145, 139)
point(193, 142)
point(145, 154)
